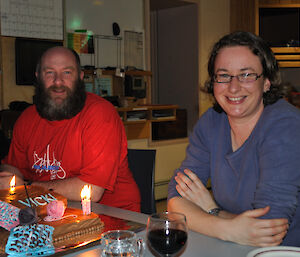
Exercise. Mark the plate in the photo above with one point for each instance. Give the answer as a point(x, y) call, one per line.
point(277, 251)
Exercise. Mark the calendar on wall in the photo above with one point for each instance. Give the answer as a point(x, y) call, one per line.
point(134, 49)
point(32, 18)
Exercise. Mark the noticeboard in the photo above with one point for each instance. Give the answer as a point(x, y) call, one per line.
point(32, 18)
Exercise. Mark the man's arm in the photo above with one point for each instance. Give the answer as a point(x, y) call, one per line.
point(11, 169)
point(71, 188)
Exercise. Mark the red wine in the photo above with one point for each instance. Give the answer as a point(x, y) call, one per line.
point(167, 241)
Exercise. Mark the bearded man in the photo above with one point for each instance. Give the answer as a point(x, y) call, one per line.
point(70, 138)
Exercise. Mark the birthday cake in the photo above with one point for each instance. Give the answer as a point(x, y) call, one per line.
point(56, 225)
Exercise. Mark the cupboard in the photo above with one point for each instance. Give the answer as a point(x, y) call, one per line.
point(276, 21)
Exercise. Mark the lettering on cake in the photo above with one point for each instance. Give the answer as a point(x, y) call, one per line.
point(38, 200)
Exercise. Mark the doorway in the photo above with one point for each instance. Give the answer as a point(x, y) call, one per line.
point(174, 55)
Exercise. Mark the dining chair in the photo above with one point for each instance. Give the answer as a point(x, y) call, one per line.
point(142, 164)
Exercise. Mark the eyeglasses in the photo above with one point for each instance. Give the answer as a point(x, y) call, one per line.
point(243, 77)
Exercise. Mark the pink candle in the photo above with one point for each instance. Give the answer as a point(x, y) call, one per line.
point(86, 200)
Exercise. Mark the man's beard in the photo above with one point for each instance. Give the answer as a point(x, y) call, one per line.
point(52, 110)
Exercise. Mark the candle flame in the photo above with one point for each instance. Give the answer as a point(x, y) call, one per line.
point(86, 192)
point(13, 182)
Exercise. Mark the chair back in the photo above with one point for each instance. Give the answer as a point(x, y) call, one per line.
point(142, 164)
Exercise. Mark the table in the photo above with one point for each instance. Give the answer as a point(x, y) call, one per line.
point(198, 245)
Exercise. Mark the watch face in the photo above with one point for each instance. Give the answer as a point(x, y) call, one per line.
point(214, 211)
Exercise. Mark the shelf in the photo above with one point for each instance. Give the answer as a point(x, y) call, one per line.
point(129, 72)
point(287, 56)
point(137, 120)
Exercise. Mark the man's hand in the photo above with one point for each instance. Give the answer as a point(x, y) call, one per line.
point(5, 178)
point(190, 187)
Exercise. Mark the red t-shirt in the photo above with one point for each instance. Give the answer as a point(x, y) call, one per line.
point(91, 146)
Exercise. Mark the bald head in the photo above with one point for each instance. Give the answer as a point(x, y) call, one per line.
point(56, 53)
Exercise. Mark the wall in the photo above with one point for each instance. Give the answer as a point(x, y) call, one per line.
point(291, 76)
point(213, 23)
point(9, 90)
point(97, 16)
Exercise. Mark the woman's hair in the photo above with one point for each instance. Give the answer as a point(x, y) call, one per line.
point(259, 48)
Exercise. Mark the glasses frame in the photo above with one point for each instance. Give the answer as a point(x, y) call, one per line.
point(239, 78)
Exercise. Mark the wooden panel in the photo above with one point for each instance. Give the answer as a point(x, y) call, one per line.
point(289, 64)
point(242, 15)
point(287, 57)
point(286, 49)
point(279, 3)
point(137, 130)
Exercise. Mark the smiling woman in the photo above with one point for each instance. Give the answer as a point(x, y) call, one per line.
point(248, 145)
point(241, 99)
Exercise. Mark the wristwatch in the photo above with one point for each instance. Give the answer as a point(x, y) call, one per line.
point(215, 211)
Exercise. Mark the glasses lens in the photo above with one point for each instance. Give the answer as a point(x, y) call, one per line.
point(247, 77)
point(244, 77)
point(222, 78)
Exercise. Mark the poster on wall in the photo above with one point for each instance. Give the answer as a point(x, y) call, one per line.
point(32, 18)
point(82, 43)
point(134, 49)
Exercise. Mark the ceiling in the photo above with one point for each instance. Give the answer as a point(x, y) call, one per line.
point(164, 4)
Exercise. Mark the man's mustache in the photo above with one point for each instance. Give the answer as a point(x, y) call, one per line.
point(58, 88)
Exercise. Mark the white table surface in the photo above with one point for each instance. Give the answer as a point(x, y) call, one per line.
point(198, 245)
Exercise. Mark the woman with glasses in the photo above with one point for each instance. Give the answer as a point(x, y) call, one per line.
point(248, 144)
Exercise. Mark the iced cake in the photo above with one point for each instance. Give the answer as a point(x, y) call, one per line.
point(70, 229)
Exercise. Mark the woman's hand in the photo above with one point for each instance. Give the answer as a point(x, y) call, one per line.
point(247, 229)
point(5, 178)
point(191, 188)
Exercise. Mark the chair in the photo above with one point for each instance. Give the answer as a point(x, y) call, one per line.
point(142, 164)
point(8, 119)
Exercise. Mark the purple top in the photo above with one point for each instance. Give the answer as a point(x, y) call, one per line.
point(265, 170)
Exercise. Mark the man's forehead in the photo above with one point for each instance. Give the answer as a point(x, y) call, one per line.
point(59, 58)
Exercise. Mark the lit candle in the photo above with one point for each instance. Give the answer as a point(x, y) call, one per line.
point(12, 185)
point(86, 200)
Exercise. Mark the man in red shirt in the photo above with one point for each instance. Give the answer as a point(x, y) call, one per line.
point(70, 138)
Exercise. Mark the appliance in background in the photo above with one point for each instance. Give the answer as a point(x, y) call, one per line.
point(135, 86)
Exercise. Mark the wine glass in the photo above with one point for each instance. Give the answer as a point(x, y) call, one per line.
point(166, 233)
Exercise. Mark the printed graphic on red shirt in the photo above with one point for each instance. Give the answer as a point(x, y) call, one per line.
point(44, 163)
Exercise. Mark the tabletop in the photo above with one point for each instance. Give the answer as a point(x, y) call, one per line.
point(198, 245)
